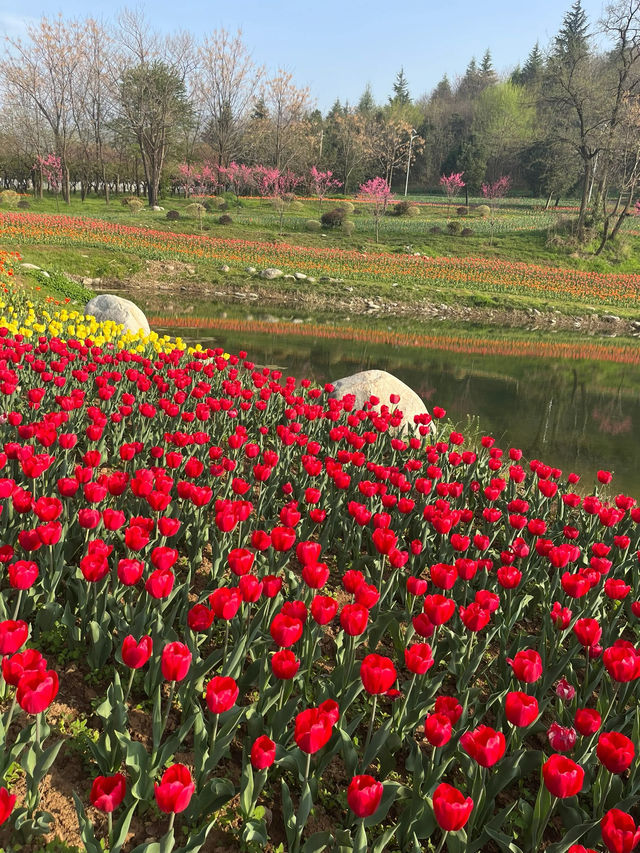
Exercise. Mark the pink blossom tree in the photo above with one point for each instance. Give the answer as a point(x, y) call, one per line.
point(239, 176)
point(50, 167)
point(493, 193)
point(452, 184)
point(277, 185)
point(322, 183)
point(376, 192)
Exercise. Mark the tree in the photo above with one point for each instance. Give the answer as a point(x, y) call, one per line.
point(285, 129)
point(488, 76)
point(152, 106)
point(573, 37)
point(503, 121)
point(533, 68)
point(401, 96)
point(366, 104)
point(376, 192)
point(452, 184)
point(227, 82)
point(41, 72)
point(322, 183)
point(350, 144)
point(493, 192)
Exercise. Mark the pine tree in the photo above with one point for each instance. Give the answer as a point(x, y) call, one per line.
point(533, 67)
point(573, 37)
point(366, 104)
point(488, 75)
point(442, 91)
point(401, 95)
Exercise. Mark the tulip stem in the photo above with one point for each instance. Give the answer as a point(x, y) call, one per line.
point(18, 602)
point(9, 718)
point(370, 730)
point(171, 821)
point(214, 733)
point(110, 828)
point(406, 701)
point(166, 716)
point(442, 841)
point(129, 685)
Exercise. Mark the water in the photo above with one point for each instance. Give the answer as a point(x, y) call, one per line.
point(578, 415)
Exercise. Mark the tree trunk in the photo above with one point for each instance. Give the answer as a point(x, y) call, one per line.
point(546, 207)
point(584, 201)
point(621, 218)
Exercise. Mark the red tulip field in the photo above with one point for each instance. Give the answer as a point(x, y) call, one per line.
point(347, 636)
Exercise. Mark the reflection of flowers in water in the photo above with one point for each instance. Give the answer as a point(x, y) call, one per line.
point(611, 425)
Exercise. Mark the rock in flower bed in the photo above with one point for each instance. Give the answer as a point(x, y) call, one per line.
point(381, 641)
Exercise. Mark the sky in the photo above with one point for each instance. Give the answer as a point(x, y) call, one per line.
point(337, 47)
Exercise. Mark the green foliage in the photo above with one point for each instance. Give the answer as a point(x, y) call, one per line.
point(454, 227)
point(483, 210)
point(348, 227)
point(313, 225)
point(347, 206)
point(135, 205)
point(9, 198)
point(64, 288)
point(195, 210)
point(173, 215)
point(333, 218)
point(23, 204)
point(225, 219)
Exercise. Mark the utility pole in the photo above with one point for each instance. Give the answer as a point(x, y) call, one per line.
point(411, 138)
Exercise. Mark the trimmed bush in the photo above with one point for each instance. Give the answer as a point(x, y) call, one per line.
point(23, 204)
point(225, 219)
point(135, 205)
point(466, 232)
point(400, 208)
point(216, 203)
point(9, 198)
point(333, 218)
point(483, 210)
point(277, 204)
point(173, 215)
point(296, 205)
point(313, 225)
point(124, 201)
point(348, 227)
point(462, 210)
point(454, 227)
point(435, 229)
point(347, 206)
point(413, 211)
point(195, 209)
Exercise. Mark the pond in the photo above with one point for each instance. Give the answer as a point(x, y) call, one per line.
point(575, 413)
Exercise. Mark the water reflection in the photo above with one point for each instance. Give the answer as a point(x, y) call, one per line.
point(574, 415)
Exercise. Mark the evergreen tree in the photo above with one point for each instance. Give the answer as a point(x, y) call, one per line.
point(366, 104)
point(442, 91)
point(573, 37)
point(533, 67)
point(488, 76)
point(401, 95)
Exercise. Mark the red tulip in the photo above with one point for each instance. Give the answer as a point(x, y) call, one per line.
point(136, 654)
point(107, 792)
point(561, 738)
point(284, 664)
point(323, 609)
point(285, 630)
point(526, 665)
point(484, 744)
point(451, 808)
point(437, 729)
point(562, 777)
point(621, 660)
point(263, 753)
point(160, 583)
point(354, 619)
point(175, 662)
point(200, 618)
point(36, 690)
point(587, 721)
point(14, 666)
point(438, 608)
point(418, 658)
point(7, 802)
point(449, 706)
point(175, 790)
point(615, 751)
point(588, 631)
point(377, 673)
point(22, 574)
point(619, 831)
point(240, 560)
point(313, 730)
point(13, 634)
point(222, 692)
point(521, 709)
point(363, 795)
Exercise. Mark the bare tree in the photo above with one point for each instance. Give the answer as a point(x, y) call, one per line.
point(286, 107)
point(227, 83)
point(41, 72)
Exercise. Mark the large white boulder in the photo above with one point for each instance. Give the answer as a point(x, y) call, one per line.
point(381, 385)
point(106, 306)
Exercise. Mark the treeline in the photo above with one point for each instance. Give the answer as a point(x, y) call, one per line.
point(120, 107)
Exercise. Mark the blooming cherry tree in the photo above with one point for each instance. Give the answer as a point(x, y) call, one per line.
point(322, 183)
point(50, 167)
point(378, 193)
point(452, 184)
point(493, 193)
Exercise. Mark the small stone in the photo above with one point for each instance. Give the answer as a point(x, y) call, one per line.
point(29, 267)
point(250, 270)
point(225, 268)
point(300, 276)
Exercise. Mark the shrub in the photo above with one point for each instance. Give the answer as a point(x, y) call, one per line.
point(313, 225)
point(277, 204)
point(348, 227)
point(347, 206)
point(173, 215)
point(124, 201)
point(10, 198)
point(333, 218)
point(225, 219)
point(462, 210)
point(413, 211)
point(135, 205)
point(483, 210)
point(195, 209)
point(454, 227)
point(217, 202)
point(466, 232)
point(401, 208)
point(435, 229)
point(23, 204)
point(296, 205)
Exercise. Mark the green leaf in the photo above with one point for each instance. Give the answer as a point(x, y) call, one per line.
point(390, 791)
point(304, 808)
point(121, 828)
point(87, 834)
point(574, 835)
point(317, 842)
point(381, 844)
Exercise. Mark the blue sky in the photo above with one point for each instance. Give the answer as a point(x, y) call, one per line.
point(336, 47)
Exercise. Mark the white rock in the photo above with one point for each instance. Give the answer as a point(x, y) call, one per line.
point(380, 384)
point(106, 306)
point(271, 272)
point(300, 276)
point(29, 267)
point(225, 268)
point(250, 270)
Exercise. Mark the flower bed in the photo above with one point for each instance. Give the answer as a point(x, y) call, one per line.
point(420, 638)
